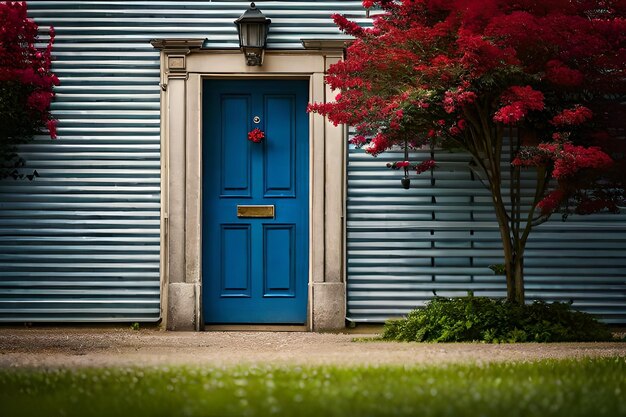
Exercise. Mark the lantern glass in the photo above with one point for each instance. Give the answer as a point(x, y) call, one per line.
point(252, 35)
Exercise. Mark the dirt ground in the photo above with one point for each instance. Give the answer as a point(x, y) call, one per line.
point(71, 347)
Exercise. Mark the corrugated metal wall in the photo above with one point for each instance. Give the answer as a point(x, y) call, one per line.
point(81, 242)
point(441, 235)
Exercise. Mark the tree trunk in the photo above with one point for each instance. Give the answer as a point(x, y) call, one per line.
point(514, 269)
point(516, 294)
point(512, 233)
point(485, 142)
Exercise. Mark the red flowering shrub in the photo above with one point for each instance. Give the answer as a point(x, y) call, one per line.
point(431, 72)
point(560, 74)
point(551, 202)
point(517, 102)
point(425, 166)
point(418, 168)
point(576, 116)
point(26, 84)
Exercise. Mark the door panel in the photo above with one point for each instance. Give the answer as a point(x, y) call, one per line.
point(278, 266)
point(280, 152)
point(235, 164)
point(236, 265)
point(255, 270)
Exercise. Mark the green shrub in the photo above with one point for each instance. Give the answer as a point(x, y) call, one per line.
point(472, 318)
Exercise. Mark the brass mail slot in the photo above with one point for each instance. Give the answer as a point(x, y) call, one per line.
point(255, 211)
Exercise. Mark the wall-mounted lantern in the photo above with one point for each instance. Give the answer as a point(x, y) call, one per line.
point(252, 27)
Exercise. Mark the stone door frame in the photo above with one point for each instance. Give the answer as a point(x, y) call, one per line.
point(183, 66)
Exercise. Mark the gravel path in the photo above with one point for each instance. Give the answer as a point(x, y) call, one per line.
point(60, 347)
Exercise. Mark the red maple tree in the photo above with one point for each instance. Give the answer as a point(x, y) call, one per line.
point(26, 84)
point(523, 86)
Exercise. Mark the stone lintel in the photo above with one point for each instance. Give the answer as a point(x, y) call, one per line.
point(176, 51)
point(177, 45)
point(326, 44)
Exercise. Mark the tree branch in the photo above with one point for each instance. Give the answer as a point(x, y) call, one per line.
point(532, 221)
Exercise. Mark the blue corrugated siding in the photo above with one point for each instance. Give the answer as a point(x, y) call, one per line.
point(441, 235)
point(81, 242)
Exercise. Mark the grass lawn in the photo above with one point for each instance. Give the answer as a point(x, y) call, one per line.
point(589, 387)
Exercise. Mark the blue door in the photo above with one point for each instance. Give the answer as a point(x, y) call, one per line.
point(255, 201)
